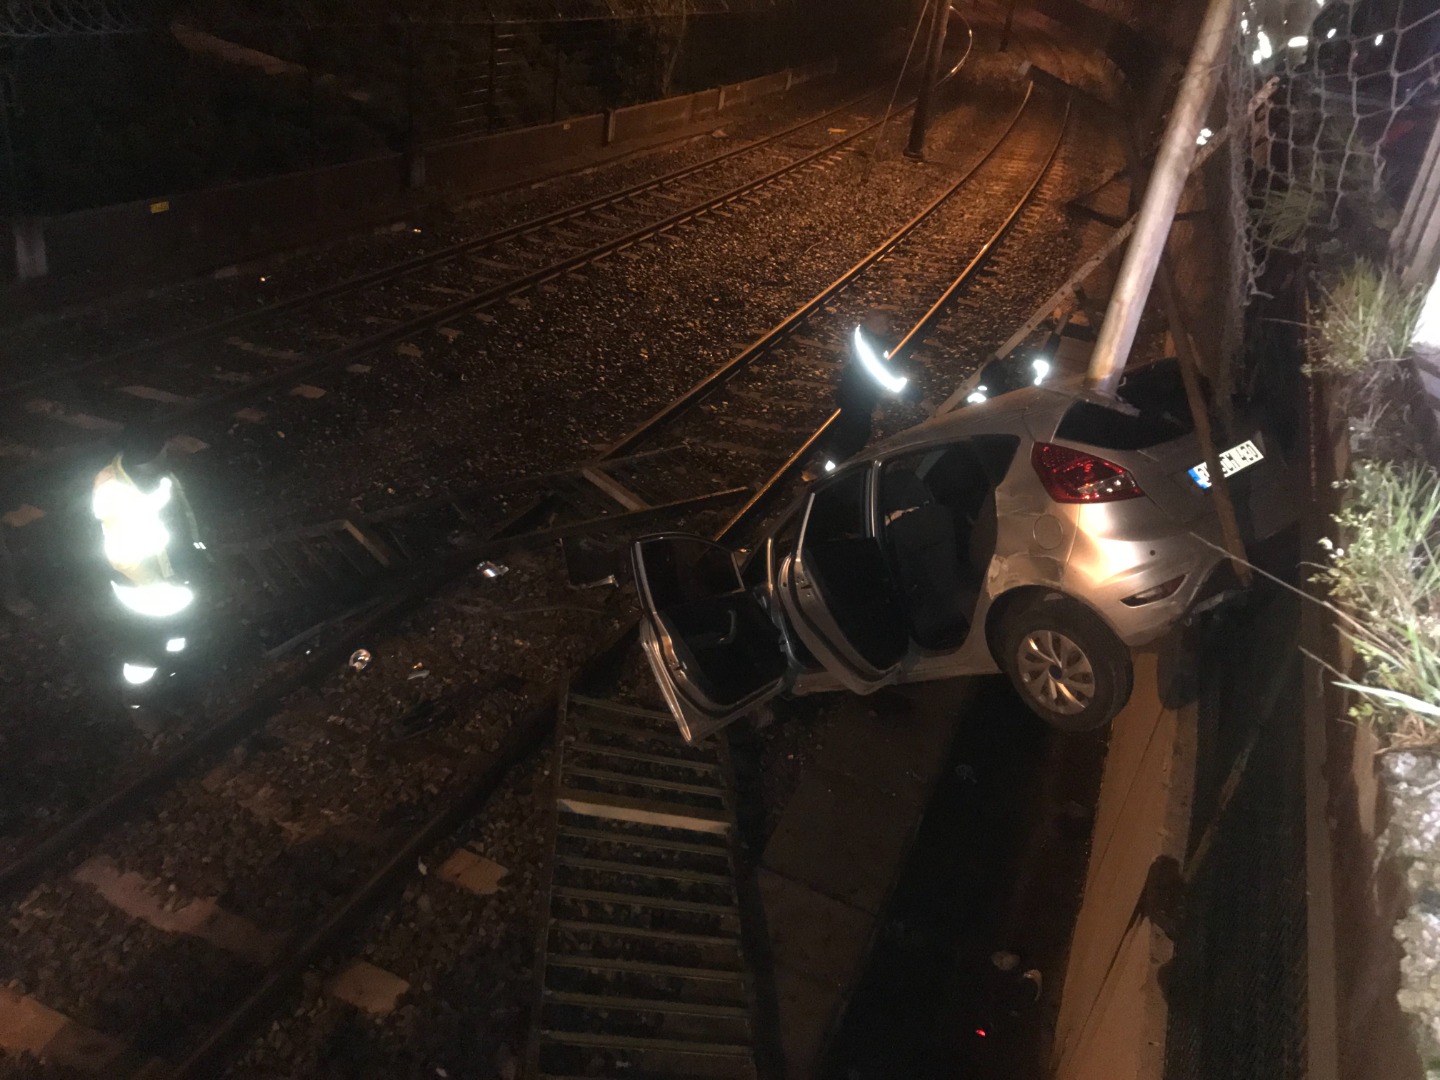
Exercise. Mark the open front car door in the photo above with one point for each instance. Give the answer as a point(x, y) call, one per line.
point(714, 650)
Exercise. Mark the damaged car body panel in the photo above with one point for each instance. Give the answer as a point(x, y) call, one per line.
point(1041, 533)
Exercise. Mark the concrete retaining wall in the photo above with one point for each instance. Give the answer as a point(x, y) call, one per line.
point(178, 235)
point(1112, 1013)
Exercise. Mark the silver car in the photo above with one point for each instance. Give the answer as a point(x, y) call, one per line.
point(1038, 531)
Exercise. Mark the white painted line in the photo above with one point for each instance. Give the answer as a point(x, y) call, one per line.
point(305, 390)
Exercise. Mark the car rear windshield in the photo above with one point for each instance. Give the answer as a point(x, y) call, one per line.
point(1155, 391)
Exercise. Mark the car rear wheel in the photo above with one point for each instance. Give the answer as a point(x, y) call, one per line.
point(1068, 667)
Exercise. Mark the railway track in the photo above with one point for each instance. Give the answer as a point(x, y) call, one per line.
point(181, 382)
point(640, 836)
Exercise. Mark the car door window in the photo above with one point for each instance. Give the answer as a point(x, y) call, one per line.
point(844, 562)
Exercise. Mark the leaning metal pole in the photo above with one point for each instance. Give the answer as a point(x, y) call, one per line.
point(1162, 196)
point(921, 119)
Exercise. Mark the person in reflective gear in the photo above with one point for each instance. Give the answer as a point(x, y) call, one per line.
point(860, 391)
point(151, 542)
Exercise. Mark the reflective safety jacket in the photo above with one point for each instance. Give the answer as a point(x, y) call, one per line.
point(149, 536)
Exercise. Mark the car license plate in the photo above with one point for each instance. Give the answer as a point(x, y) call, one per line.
point(1238, 457)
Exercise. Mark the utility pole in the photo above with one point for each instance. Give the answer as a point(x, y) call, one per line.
point(1162, 196)
point(940, 17)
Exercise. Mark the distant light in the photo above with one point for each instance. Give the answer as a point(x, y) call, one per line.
point(175, 644)
point(1263, 46)
point(981, 1032)
point(1299, 41)
point(1330, 34)
point(829, 466)
point(1041, 367)
point(417, 230)
point(1204, 137)
point(977, 397)
point(1379, 39)
point(263, 279)
point(1244, 26)
point(138, 674)
point(876, 368)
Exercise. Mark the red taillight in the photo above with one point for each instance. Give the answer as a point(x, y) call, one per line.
point(1073, 476)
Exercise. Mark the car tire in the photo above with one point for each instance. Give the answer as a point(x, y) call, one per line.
point(1088, 677)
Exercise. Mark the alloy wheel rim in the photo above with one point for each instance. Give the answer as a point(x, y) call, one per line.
point(1055, 672)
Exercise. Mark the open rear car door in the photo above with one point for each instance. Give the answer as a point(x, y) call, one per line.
point(837, 591)
point(714, 650)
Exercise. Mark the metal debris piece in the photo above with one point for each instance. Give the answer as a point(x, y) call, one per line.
point(492, 569)
point(592, 562)
point(360, 659)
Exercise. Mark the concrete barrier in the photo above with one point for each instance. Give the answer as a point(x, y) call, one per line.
point(1112, 1012)
point(209, 228)
point(638, 121)
point(508, 156)
point(178, 235)
point(741, 92)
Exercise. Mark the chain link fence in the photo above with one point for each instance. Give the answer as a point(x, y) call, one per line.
point(1338, 141)
point(106, 101)
point(1330, 106)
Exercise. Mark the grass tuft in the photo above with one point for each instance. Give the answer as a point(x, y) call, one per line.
point(1387, 581)
point(1367, 319)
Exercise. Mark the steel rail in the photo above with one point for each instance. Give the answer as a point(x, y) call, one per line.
point(117, 805)
point(488, 297)
point(474, 303)
point(782, 330)
point(228, 325)
point(907, 343)
point(14, 479)
point(523, 739)
point(212, 1053)
point(527, 736)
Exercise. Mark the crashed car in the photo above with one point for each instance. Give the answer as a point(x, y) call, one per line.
point(1040, 532)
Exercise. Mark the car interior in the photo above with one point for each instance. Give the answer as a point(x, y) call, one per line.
point(939, 519)
point(726, 643)
point(847, 568)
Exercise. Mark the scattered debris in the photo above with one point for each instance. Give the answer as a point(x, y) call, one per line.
point(359, 660)
point(492, 569)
